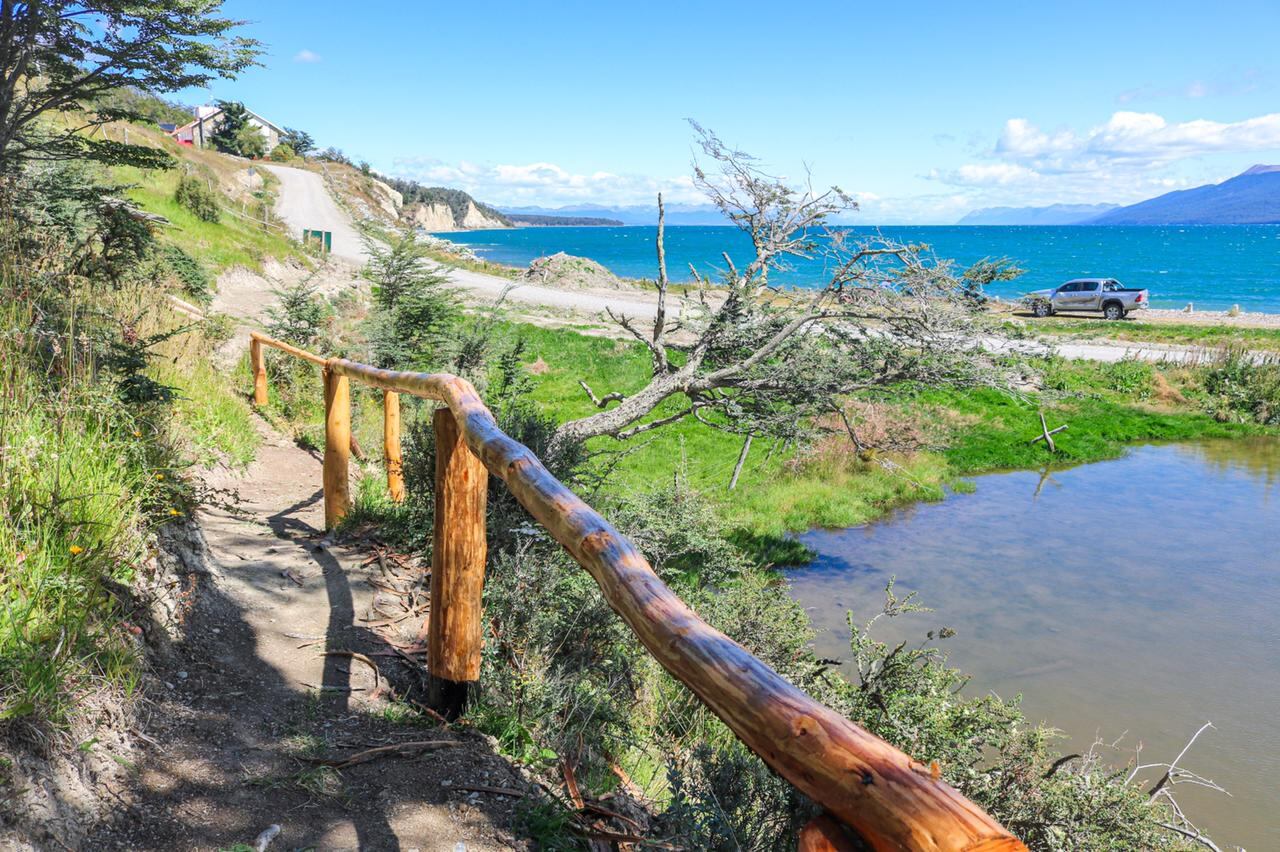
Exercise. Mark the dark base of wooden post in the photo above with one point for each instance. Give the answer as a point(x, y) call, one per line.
point(449, 698)
point(825, 834)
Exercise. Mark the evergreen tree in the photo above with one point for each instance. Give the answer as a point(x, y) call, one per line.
point(234, 119)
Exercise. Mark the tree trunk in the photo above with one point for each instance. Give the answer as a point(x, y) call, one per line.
point(618, 418)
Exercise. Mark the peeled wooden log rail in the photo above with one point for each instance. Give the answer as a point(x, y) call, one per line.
point(891, 800)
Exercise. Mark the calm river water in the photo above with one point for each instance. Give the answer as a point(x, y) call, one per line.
point(1140, 595)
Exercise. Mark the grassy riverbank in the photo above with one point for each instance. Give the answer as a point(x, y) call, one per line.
point(957, 432)
point(941, 435)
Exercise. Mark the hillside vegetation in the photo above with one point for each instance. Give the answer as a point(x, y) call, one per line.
point(599, 702)
point(111, 397)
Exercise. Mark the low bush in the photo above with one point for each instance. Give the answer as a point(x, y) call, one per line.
point(1243, 386)
point(283, 153)
point(195, 195)
point(190, 273)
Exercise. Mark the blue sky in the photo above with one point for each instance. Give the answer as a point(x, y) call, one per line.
point(922, 110)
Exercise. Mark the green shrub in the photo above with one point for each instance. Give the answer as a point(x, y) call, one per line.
point(1130, 377)
point(283, 153)
point(250, 142)
point(299, 314)
point(195, 280)
point(1243, 385)
point(195, 195)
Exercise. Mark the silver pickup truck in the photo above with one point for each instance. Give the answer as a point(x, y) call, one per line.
point(1107, 295)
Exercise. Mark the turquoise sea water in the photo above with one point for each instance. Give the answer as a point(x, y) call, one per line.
point(1213, 267)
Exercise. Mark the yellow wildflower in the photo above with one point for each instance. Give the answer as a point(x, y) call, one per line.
point(159, 476)
point(76, 550)
point(174, 512)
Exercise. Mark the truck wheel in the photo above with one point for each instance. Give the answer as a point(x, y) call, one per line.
point(1113, 311)
point(1041, 309)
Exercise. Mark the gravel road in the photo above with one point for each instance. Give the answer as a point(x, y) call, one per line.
point(305, 202)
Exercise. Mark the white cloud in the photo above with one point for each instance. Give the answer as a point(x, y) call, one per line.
point(1022, 140)
point(1129, 157)
point(986, 174)
point(1143, 139)
point(1139, 136)
point(547, 184)
point(307, 56)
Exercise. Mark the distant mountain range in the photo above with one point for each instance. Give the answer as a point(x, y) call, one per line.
point(1250, 198)
point(636, 214)
point(1054, 214)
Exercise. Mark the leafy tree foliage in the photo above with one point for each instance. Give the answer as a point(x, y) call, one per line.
point(299, 140)
point(145, 106)
point(59, 56)
point(299, 315)
point(251, 143)
point(195, 279)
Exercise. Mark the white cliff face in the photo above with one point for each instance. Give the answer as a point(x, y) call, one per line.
point(476, 219)
point(431, 217)
point(388, 199)
point(438, 217)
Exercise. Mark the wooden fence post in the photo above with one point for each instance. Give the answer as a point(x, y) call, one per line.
point(458, 552)
point(337, 447)
point(391, 445)
point(259, 364)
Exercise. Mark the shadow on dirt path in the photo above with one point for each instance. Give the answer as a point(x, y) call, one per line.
point(253, 701)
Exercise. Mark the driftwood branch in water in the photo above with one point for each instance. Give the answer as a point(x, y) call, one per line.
point(1046, 434)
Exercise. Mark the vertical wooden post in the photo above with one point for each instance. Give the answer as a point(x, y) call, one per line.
point(259, 364)
point(391, 445)
point(337, 447)
point(458, 552)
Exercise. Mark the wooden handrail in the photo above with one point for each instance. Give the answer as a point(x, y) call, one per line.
point(893, 801)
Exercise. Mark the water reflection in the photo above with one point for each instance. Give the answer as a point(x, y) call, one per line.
point(1136, 595)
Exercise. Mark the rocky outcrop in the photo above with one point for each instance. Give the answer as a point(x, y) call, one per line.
point(439, 217)
point(566, 272)
point(475, 219)
point(430, 217)
point(388, 199)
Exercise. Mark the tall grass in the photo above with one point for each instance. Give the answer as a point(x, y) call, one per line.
point(85, 481)
point(79, 487)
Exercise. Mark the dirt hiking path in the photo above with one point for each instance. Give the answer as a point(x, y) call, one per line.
point(250, 703)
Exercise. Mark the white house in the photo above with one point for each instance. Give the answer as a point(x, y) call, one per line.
point(198, 131)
